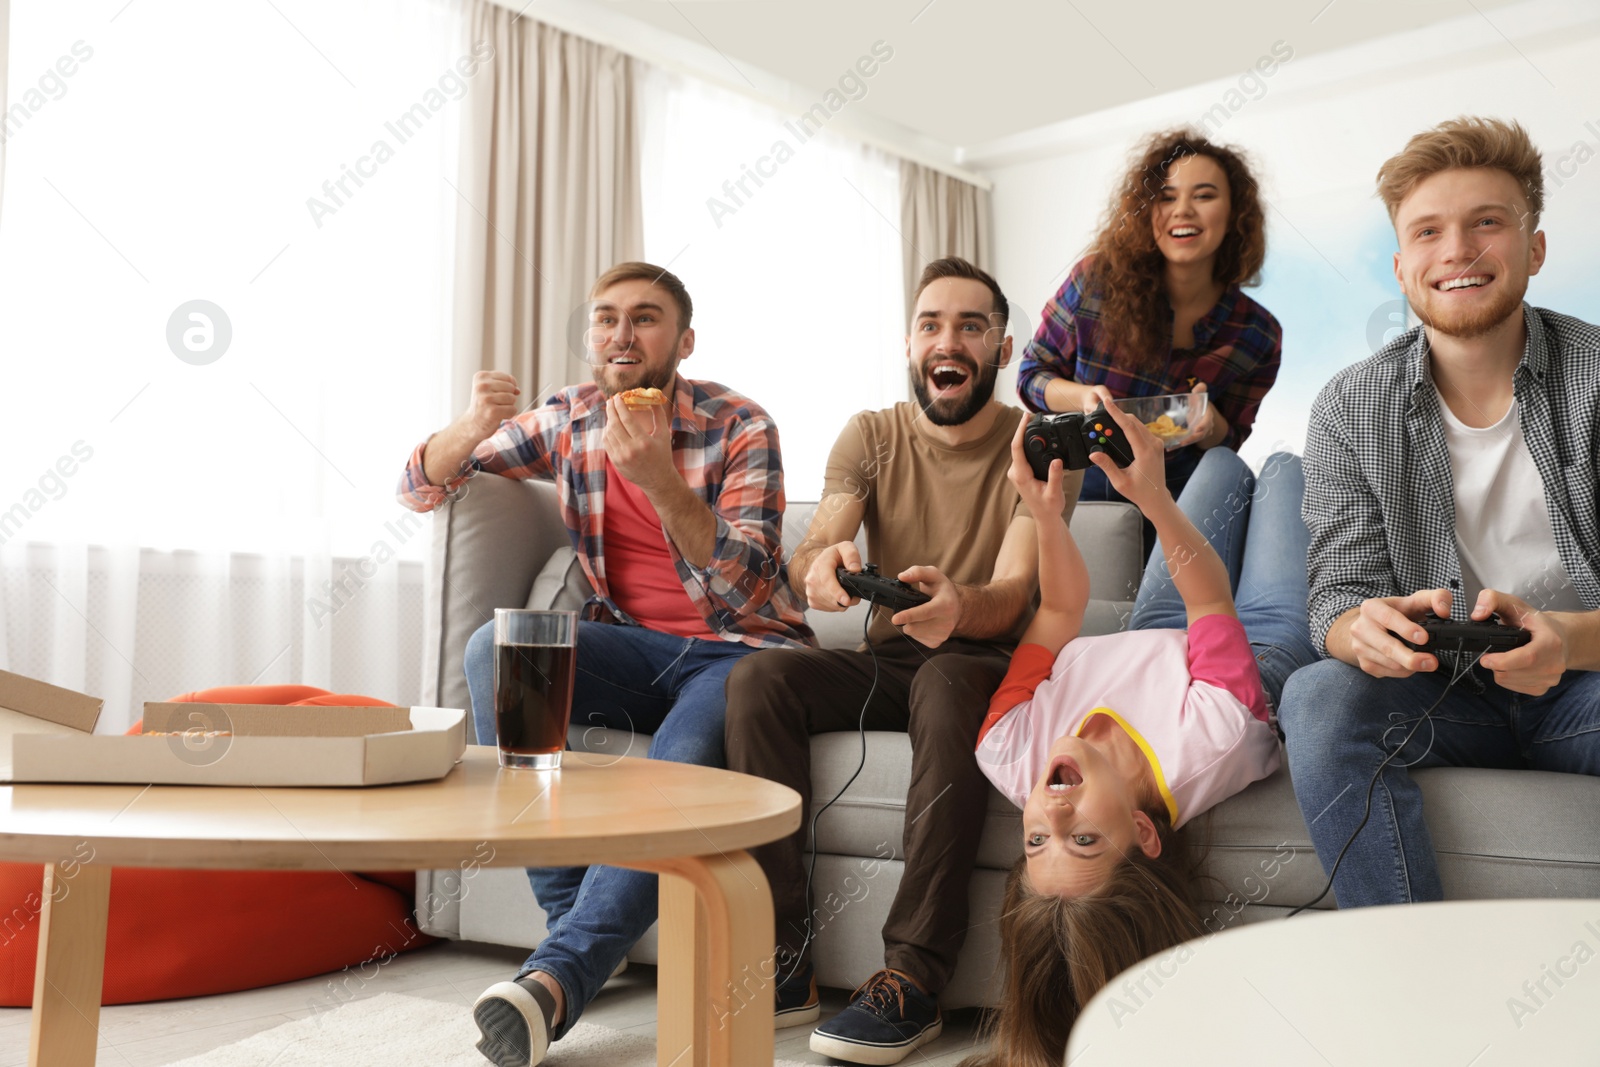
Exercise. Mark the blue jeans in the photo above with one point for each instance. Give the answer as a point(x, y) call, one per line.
point(1342, 722)
point(1255, 526)
point(634, 679)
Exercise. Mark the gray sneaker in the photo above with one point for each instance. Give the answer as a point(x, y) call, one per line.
point(514, 1019)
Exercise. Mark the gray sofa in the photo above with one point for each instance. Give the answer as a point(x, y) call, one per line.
point(501, 544)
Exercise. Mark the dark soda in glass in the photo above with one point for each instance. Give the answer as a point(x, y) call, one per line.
point(533, 687)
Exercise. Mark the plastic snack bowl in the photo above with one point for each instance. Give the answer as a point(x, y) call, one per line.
point(1181, 409)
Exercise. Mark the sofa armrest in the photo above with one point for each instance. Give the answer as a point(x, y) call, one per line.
point(489, 544)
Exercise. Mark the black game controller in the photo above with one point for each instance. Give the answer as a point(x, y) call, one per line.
point(1072, 437)
point(1489, 635)
point(889, 593)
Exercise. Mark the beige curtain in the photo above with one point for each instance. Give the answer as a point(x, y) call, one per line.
point(549, 191)
point(941, 216)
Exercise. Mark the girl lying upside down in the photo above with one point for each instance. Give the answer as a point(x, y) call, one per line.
point(1110, 744)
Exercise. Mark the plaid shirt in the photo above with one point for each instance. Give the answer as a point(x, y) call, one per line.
point(1380, 501)
point(1237, 348)
point(726, 448)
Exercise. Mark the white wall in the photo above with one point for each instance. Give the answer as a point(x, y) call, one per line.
point(1318, 129)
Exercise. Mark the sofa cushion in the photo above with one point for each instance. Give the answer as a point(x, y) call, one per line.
point(1492, 841)
point(1514, 833)
point(1109, 534)
point(488, 546)
point(1497, 833)
point(869, 818)
point(561, 585)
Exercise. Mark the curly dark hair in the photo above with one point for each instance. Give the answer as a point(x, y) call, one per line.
point(1128, 269)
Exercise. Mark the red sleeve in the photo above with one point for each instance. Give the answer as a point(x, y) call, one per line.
point(1220, 655)
point(1030, 665)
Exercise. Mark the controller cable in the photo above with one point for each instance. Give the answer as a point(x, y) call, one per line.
point(861, 728)
point(1371, 785)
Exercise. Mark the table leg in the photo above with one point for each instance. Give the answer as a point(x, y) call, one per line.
point(71, 966)
point(682, 994)
point(716, 974)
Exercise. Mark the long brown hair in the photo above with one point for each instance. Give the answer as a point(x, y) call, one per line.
point(1058, 952)
point(1128, 271)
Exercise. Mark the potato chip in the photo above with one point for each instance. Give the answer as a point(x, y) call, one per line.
point(1165, 427)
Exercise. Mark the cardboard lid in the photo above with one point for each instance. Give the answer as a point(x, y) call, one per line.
point(274, 720)
point(41, 700)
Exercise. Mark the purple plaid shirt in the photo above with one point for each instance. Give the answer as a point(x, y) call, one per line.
point(725, 446)
point(1237, 349)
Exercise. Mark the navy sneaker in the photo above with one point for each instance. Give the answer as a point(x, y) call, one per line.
point(514, 1021)
point(795, 1001)
point(886, 1019)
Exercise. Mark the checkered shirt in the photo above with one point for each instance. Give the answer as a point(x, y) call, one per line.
point(1380, 502)
point(725, 446)
point(1237, 348)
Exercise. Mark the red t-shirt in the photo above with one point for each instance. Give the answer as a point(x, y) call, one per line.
point(639, 568)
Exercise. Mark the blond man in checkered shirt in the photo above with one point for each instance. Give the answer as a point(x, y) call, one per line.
point(1453, 471)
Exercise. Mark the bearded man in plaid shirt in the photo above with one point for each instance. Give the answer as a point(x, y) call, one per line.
point(675, 513)
point(1452, 472)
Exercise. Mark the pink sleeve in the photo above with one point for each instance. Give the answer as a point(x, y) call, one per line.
point(1220, 655)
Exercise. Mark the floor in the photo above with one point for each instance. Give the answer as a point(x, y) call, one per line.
point(153, 1035)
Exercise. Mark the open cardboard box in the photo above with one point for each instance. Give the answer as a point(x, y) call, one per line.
point(46, 735)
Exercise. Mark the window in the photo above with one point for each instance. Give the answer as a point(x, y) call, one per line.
point(226, 256)
point(791, 256)
point(275, 166)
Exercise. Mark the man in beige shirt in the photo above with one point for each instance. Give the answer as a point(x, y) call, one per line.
point(928, 480)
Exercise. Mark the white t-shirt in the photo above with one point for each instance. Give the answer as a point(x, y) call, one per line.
point(1503, 532)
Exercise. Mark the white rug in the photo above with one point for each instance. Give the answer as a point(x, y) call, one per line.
point(391, 1030)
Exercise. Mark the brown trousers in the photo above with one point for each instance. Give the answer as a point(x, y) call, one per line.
point(778, 699)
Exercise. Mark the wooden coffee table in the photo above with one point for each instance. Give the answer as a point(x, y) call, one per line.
point(689, 824)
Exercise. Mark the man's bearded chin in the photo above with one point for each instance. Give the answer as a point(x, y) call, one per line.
point(1470, 323)
point(956, 412)
point(611, 383)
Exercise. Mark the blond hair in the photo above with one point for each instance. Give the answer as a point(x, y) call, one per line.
point(657, 276)
point(1462, 143)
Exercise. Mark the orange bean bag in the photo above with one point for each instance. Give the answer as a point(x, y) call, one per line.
point(179, 933)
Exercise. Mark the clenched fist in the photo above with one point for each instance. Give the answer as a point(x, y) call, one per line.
point(494, 399)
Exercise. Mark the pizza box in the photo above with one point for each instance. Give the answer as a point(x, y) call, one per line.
point(46, 735)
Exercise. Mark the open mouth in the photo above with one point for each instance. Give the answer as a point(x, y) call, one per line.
point(622, 361)
point(1181, 232)
point(1466, 281)
point(947, 377)
point(1064, 776)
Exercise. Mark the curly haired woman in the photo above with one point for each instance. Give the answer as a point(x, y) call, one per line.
point(1156, 306)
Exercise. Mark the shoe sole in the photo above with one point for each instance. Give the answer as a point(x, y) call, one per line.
point(875, 1055)
point(808, 1013)
point(506, 1011)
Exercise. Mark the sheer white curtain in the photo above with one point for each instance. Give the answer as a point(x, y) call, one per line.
point(791, 255)
point(225, 285)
